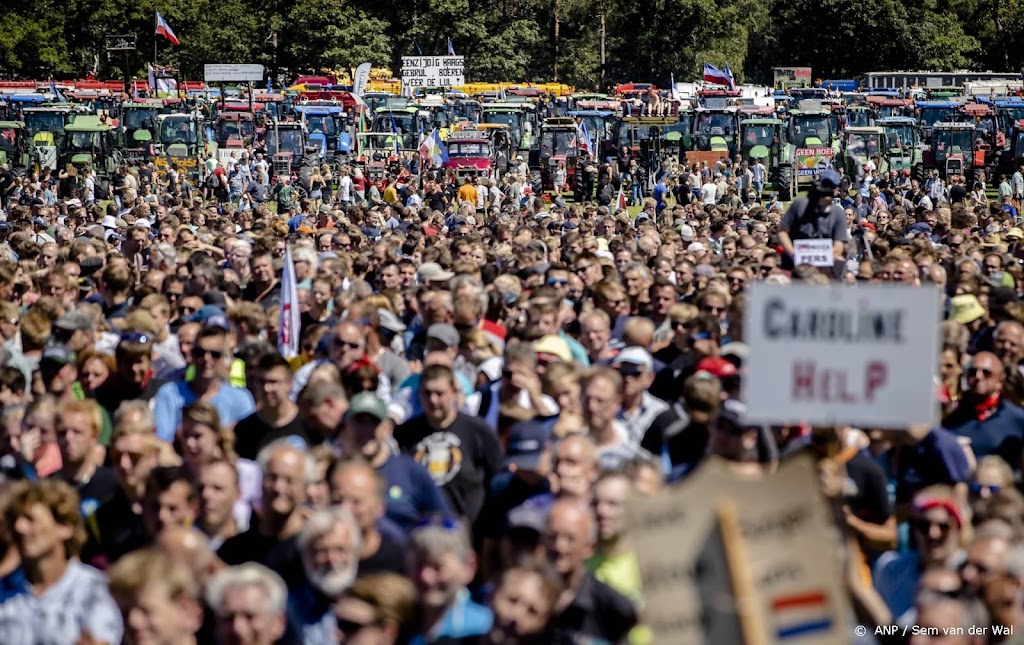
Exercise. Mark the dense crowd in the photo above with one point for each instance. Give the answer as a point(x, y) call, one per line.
point(480, 385)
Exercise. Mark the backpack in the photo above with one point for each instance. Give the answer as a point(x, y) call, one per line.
point(100, 190)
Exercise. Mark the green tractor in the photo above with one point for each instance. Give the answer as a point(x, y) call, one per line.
point(139, 126)
point(764, 139)
point(861, 145)
point(14, 146)
point(88, 140)
point(810, 148)
point(180, 142)
point(45, 127)
point(903, 140)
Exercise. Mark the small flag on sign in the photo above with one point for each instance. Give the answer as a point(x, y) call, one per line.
point(800, 614)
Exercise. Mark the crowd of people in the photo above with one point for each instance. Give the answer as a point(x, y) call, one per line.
point(476, 391)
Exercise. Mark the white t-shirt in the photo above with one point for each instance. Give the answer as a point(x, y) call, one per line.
point(345, 189)
point(708, 193)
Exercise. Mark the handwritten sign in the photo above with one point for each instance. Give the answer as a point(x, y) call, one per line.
point(817, 253)
point(788, 543)
point(432, 71)
point(861, 355)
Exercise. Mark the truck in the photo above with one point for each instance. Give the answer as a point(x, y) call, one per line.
point(469, 154)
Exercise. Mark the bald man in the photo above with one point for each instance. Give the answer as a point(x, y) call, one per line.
point(588, 609)
point(189, 547)
point(993, 424)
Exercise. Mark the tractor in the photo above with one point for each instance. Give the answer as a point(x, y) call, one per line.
point(715, 131)
point(181, 141)
point(764, 139)
point(861, 145)
point(809, 147)
point(931, 112)
point(45, 127)
point(138, 124)
point(955, 150)
point(323, 125)
point(14, 146)
point(286, 147)
point(987, 130)
point(469, 154)
point(559, 144)
point(903, 140)
point(89, 140)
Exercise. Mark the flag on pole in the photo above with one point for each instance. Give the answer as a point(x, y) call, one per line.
point(163, 29)
point(732, 79)
point(620, 201)
point(288, 329)
point(438, 153)
point(56, 93)
point(451, 49)
point(584, 137)
point(501, 93)
point(152, 81)
point(425, 148)
point(714, 75)
point(672, 91)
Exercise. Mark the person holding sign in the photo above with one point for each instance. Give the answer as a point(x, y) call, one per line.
point(813, 230)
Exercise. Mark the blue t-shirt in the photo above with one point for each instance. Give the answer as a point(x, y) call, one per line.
point(410, 492)
point(232, 403)
point(659, 196)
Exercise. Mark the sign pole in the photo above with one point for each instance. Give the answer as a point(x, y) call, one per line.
point(747, 601)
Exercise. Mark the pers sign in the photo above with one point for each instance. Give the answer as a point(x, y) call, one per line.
point(842, 355)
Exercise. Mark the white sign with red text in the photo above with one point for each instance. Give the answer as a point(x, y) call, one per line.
point(817, 253)
point(863, 355)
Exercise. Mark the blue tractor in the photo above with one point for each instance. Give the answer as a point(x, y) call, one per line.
point(326, 131)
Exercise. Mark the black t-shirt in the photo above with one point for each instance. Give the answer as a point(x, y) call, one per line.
point(264, 296)
point(957, 194)
point(282, 557)
point(253, 433)
point(113, 531)
point(597, 611)
point(461, 458)
point(389, 558)
point(99, 488)
point(512, 492)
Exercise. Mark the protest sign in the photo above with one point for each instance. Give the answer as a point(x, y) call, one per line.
point(861, 355)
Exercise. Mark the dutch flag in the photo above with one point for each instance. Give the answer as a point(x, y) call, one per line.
point(451, 49)
point(163, 29)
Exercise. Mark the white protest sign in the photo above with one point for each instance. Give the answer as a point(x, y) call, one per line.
point(788, 547)
point(817, 253)
point(232, 73)
point(431, 71)
point(862, 355)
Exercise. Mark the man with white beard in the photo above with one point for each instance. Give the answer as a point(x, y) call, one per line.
point(329, 545)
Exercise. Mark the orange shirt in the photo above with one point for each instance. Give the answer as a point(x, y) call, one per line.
point(468, 194)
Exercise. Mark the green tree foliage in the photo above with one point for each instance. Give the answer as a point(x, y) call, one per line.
point(512, 40)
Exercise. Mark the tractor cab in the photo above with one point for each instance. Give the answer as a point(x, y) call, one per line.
point(286, 146)
point(467, 110)
point(953, 149)
point(715, 129)
point(810, 126)
point(234, 129)
point(89, 140)
point(903, 143)
point(13, 145)
point(138, 125)
point(762, 138)
point(861, 145)
point(469, 154)
point(45, 126)
point(931, 112)
point(560, 145)
point(323, 127)
point(181, 139)
point(859, 116)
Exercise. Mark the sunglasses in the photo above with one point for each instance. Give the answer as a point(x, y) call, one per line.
point(980, 371)
point(712, 309)
point(557, 283)
point(976, 488)
point(925, 525)
point(346, 344)
point(188, 310)
point(215, 354)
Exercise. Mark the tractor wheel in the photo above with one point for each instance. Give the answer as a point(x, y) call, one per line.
point(917, 172)
point(783, 183)
point(537, 180)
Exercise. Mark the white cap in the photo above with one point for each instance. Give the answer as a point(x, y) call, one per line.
point(696, 247)
point(686, 232)
point(635, 356)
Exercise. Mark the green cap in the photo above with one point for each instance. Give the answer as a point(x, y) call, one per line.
point(368, 403)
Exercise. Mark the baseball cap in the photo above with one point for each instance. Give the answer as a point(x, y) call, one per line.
point(368, 403)
point(58, 354)
point(445, 333)
point(526, 443)
point(432, 272)
point(829, 179)
point(74, 321)
point(390, 321)
point(633, 359)
point(204, 314)
point(716, 366)
point(696, 247)
point(686, 232)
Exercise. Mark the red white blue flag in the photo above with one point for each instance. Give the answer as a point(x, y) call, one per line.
point(163, 29)
point(288, 329)
point(714, 75)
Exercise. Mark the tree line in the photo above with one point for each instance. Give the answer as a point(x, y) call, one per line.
point(513, 40)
